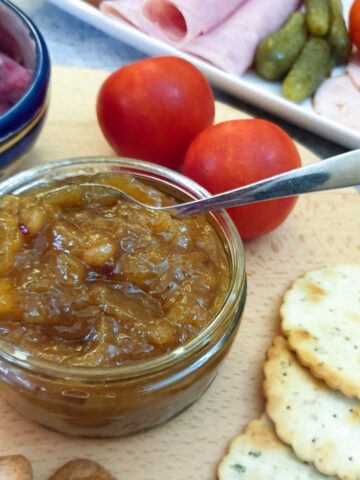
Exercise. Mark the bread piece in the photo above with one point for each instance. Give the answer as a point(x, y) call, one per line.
point(82, 469)
point(321, 318)
point(321, 425)
point(259, 454)
point(15, 467)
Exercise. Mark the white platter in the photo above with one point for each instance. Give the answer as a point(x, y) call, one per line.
point(249, 87)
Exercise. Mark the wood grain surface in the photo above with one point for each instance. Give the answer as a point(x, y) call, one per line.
point(324, 229)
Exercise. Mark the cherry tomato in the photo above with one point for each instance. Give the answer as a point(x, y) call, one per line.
point(354, 23)
point(238, 152)
point(154, 108)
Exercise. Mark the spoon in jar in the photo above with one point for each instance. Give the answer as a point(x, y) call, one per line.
point(335, 172)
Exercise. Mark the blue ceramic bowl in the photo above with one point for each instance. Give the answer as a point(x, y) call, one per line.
point(21, 124)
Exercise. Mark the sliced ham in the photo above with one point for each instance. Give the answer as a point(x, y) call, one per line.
point(232, 45)
point(176, 21)
point(14, 81)
point(180, 21)
point(353, 68)
point(128, 10)
point(339, 99)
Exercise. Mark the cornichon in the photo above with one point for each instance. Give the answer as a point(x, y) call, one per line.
point(309, 70)
point(278, 51)
point(318, 16)
point(338, 38)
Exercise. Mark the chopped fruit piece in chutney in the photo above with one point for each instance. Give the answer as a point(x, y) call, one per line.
point(88, 279)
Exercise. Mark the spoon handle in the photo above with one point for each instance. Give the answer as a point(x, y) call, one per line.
point(336, 172)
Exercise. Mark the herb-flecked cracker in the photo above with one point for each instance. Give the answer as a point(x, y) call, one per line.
point(321, 318)
point(321, 424)
point(259, 454)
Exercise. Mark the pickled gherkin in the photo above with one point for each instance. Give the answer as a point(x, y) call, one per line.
point(278, 51)
point(309, 70)
point(338, 37)
point(318, 17)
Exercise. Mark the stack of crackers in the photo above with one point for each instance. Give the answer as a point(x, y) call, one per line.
point(311, 428)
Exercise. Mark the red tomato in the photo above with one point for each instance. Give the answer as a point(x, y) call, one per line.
point(236, 153)
point(354, 23)
point(154, 108)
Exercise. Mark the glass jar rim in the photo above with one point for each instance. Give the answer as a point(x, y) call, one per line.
point(41, 175)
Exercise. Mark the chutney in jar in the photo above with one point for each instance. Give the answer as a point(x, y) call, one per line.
point(89, 279)
point(67, 373)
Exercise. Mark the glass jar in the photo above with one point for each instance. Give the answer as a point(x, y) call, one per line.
point(115, 401)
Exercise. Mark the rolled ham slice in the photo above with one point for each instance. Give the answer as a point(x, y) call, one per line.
point(128, 10)
point(176, 21)
point(180, 21)
point(339, 99)
point(353, 69)
point(232, 45)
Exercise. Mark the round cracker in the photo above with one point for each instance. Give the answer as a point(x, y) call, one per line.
point(321, 319)
point(258, 453)
point(321, 424)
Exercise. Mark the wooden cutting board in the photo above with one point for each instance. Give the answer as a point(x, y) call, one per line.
point(323, 229)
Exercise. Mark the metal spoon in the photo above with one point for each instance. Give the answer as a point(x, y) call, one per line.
point(336, 172)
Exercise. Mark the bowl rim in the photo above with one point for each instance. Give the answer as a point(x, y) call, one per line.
point(41, 55)
point(28, 179)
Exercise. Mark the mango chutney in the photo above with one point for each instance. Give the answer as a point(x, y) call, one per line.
point(111, 314)
point(88, 279)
